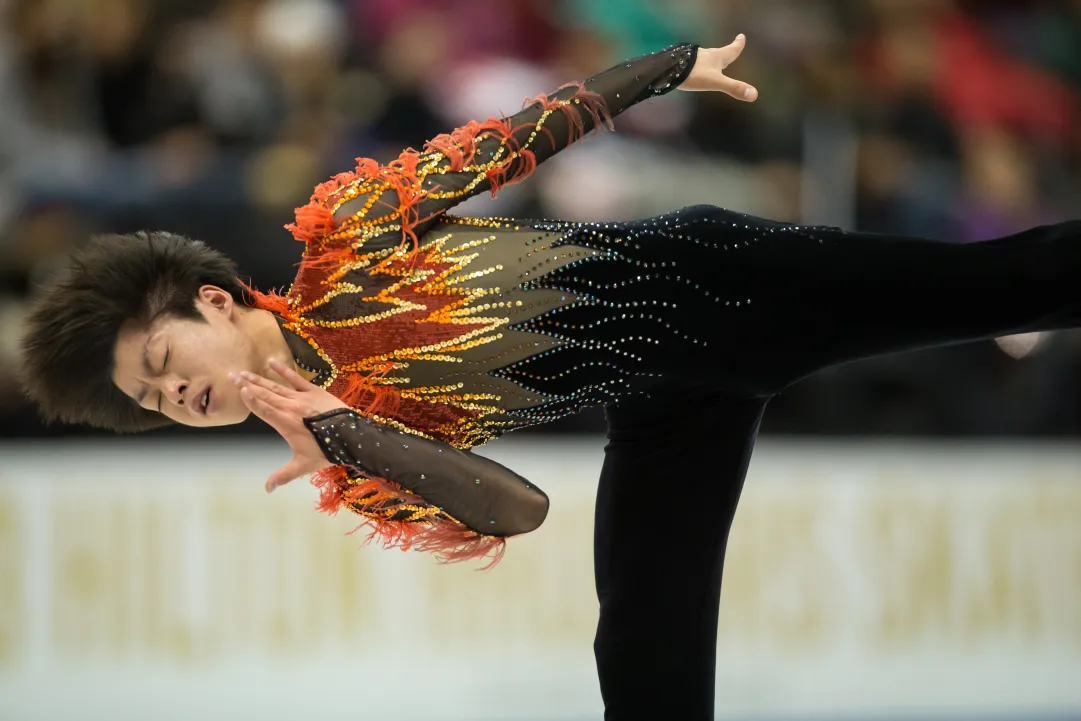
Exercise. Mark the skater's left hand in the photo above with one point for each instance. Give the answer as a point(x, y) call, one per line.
point(708, 72)
point(284, 408)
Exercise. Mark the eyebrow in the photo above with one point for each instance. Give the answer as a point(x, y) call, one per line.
point(147, 370)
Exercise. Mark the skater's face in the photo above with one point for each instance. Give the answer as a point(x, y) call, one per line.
point(170, 366)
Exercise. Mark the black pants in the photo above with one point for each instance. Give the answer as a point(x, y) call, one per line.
point(820, 298)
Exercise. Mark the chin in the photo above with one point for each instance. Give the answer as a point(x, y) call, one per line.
point(230, 419)
point(230, 409)
point(225, 417)
point(219, 422)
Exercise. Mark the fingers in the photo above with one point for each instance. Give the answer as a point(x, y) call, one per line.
point(722, 58)
point(737, 89)
point(291, 377)
point(255, 405)
point(247, 377)
point(261, 402)
point(261, 388)
point(732, 50)
point(294, 379)
point(286, 474)
point(270, 396)
point(745, 91)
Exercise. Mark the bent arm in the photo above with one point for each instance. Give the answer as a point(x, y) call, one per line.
point(485, 496)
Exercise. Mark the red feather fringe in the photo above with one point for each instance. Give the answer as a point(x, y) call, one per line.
point(272, 301)
point(327, 262)
point(449, 540)
point(315, 221)
point(374, 498)
point(360, 392)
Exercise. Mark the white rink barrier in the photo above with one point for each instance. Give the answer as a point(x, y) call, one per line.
point(157, 581)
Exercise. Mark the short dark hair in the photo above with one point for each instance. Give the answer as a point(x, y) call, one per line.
point(67, 350)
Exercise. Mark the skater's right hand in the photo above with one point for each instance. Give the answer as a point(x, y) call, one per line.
point(285, 408)
point(708, 72)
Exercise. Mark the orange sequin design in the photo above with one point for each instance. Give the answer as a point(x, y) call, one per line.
point(419, 308)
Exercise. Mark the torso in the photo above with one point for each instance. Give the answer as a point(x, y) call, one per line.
point(516, 322)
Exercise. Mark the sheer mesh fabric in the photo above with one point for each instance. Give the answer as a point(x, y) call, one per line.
point(474, 490)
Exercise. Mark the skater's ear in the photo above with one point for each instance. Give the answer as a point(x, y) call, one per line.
point(68, 344)
point(216, 300)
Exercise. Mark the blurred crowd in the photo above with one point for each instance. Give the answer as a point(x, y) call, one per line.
point(214, 118)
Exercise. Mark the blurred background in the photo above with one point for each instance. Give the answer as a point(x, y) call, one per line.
point(910, 543)
point(214, 118)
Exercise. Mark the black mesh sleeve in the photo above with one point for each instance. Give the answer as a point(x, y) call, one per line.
point(478, 157)
point(619, 88)
point(544, 131)
point(479, 492)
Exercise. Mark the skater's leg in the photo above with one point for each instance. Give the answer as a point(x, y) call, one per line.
point(672, 477)
point(799, 299)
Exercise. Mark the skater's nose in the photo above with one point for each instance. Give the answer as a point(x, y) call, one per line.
point(176, 390)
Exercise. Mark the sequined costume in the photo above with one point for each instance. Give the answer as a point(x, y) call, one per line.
point(456, 330)
point(446, 332)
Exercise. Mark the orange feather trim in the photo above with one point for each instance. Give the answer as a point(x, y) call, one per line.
point(426, 528)
point(399, 518)
point(327, 262)
point(315, 221)
point(373, 399)
point(272, 301)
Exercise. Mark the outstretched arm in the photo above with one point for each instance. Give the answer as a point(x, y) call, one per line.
point(480, 157)
point(374, 207)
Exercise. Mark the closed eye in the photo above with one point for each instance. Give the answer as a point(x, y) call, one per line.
point(164, 365)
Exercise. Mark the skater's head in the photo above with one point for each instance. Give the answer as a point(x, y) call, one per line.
point(134, 331)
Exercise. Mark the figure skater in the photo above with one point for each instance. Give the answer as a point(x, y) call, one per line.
point(410, 336)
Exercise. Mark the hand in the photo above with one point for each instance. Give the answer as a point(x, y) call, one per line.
point(284, 408)
point(708, 72)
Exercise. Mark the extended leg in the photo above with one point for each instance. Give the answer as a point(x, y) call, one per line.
point(810, 298)
point(672, 477)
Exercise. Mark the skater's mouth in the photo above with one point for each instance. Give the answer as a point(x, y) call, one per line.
point(203, 401)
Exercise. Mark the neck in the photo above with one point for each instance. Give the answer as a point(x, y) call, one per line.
point(266, 335)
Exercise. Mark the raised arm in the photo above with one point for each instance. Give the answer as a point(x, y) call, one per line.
point(478, 158)
point(376, 207)
point(483, 157)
